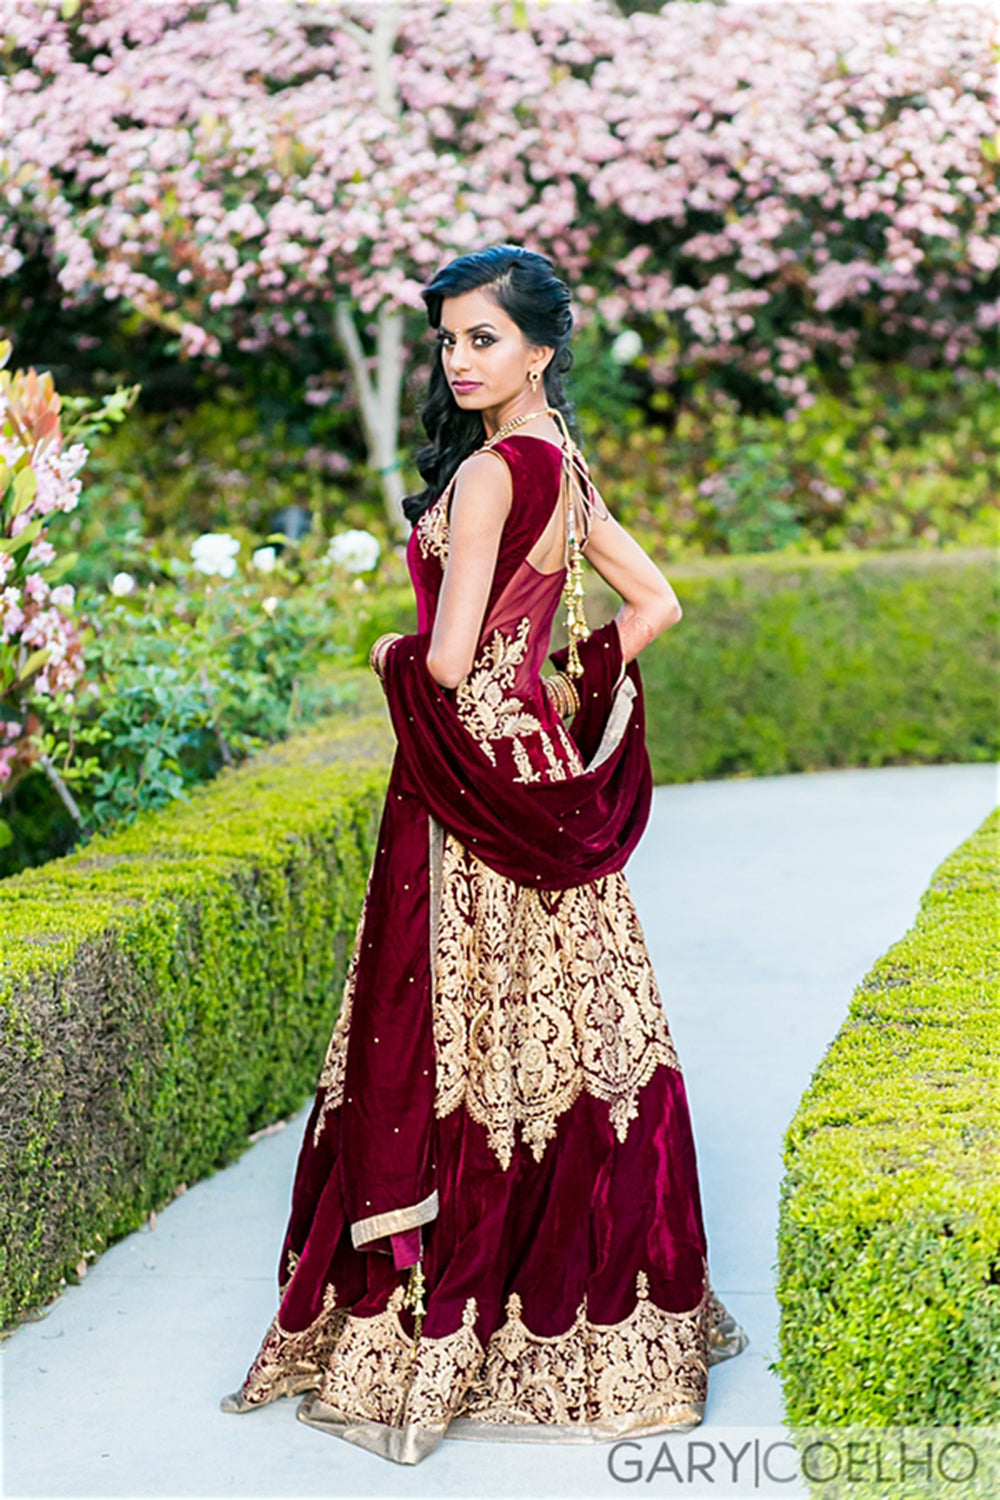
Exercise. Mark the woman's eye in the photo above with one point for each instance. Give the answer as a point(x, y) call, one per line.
point(479, 340)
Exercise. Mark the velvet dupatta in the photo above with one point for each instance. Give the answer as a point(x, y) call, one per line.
point(554, 835)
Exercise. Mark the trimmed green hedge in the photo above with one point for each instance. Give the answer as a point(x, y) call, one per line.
point(171, 988)
point(841, 659)
point(889, 1234)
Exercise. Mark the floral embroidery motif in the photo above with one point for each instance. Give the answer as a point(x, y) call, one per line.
point(539, 996)
point(377, 1375)
point(648, 1371)
point(651, 1367)
point(291, 1261)
point(433, 530)
point(490, 711)
point(289, 1363)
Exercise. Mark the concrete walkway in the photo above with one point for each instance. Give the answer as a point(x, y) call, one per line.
point(764, 902)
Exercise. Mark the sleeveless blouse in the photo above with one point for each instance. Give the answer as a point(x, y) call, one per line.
point(502, 701)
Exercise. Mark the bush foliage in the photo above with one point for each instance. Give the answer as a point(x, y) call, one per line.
point(169, 990)
point(884, 458)
point(889, 1236)
point(783, 664)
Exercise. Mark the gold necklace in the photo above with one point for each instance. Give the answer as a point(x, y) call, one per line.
point(501, 432)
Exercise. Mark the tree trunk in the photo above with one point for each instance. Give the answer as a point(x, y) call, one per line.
point(379, 400)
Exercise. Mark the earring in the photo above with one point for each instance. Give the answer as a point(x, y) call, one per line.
point(534, 377)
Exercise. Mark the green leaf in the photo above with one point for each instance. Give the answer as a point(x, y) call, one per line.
point(6, 833)
point(14, 544)
point(25, 489)
point(35, 660)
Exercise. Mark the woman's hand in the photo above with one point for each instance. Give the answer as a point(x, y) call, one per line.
point(479, 509)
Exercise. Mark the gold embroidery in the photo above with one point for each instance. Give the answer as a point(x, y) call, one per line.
point(289, 1363)
point(569, 745)
point(650, 1367)
point(540, 995)
point(377, 1376)
point(433, 530)
point(291, 1261)
point(331, 1076)
point(650, 1371)
point(490, 710)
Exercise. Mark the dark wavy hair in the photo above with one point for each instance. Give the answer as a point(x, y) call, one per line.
point(524, 285)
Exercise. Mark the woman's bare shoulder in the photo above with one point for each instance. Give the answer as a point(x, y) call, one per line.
point(481, 481)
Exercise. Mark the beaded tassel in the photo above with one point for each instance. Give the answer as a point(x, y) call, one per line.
point(413, 1297)
point(576, 624)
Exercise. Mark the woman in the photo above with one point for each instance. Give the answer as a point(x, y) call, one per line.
point(495, 1227)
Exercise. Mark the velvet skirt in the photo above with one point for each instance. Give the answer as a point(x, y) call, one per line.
point(567, 1295)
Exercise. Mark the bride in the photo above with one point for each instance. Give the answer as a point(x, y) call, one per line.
point(496, 1228)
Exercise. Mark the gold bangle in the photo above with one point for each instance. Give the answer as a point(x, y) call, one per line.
point(374, 655)
point(562, 691)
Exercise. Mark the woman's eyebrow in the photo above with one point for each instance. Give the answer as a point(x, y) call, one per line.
point(474, 329)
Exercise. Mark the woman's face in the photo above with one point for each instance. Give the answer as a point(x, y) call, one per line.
point(484, 355)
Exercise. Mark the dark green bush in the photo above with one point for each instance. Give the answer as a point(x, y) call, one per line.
point(897, 458)
point(889, 1235)
point(891, 457)
point(851, 659)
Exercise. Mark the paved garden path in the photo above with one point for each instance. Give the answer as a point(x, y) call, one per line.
point(764, 902)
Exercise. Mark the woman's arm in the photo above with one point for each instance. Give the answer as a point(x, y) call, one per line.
point(650, 605)
point(479, 509)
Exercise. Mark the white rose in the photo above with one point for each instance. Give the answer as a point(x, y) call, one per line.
point(355, 551)
point(215, 553)
point(269, 605)
point(122, 583)
point(264, 559)
point(626, 347)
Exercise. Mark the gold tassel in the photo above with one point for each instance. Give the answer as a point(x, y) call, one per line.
point(413, 1297)
point(576, 624)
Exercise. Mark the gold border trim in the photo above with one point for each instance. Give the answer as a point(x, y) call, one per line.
point(403, 1445)
point(681, 1417)
point(617, 723)
point(395, 1221)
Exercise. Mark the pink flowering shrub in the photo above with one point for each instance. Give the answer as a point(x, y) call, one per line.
point(761, 188)
point(40, 652)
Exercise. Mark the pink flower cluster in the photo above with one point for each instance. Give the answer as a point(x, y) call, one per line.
point(772, 177)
